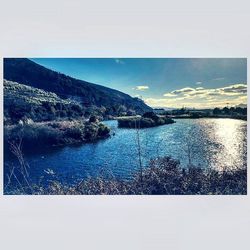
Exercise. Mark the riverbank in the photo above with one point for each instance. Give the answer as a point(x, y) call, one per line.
point(244, 118)
point(163, 176)
point(214, 149)
point(55, 133)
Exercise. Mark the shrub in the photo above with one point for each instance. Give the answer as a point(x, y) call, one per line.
point(75, 132)
point(143, 122)
point(151, 115)
point(55, 133)
point(163, 176)
point(103, 130)
point(93, 118)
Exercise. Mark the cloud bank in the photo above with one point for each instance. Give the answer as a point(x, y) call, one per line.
point(200, 97)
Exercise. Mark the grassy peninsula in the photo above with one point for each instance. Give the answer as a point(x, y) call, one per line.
point(56, 133)
point(35, 117)
point(147, 120)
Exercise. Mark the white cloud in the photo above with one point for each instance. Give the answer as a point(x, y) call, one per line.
point(231, 90)
point(200, 97)
point(183, 90)
point(198, 83)
point(236, 88)
point(199, 88)
point(141, 87)
point(201, 103)
point(169, 95)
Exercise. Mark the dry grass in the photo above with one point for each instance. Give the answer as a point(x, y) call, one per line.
point(56, 132)
point(163, 176)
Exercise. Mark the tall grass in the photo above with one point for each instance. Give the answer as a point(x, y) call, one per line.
point(56, 132)
point(145, 122)
point(163, 176)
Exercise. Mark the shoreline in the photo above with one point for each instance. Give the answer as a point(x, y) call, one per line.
point(55, 133)
point(216, 117)
point(174, 180)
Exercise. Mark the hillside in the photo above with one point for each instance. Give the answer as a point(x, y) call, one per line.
point(21, 101)
point(27, 72)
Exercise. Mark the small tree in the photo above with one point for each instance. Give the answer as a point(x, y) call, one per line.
point(226, 110)
point(93, 118)
point(216, 111)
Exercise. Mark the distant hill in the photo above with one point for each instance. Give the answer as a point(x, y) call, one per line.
point(27, 72)
point(21, 101)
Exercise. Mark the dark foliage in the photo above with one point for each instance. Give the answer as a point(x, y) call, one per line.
point(163, 176)
point(150, 115)
point(93, 118)
point(55, 133)
point(22, 102)
point(146, 121)
point(27, 72)
point(233, 111)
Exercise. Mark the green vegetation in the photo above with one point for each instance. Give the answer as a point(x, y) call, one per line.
point(23, 102)
point(149, 119)
point(163, 176)
point(55, 133)
point(87, 94)
point(232, 112)
point(53, 109)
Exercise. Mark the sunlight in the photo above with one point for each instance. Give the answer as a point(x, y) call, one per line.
point(227, 135)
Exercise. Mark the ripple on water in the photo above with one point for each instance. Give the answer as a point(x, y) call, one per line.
point(218, 143)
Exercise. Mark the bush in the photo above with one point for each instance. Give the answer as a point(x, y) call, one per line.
point(55, 133)
point(91, 131)
point(93, 118)
point(151, 115)
point(143, 122)
point(163, 176)
point(103, 130)
point(75, 132)
point(31, 134)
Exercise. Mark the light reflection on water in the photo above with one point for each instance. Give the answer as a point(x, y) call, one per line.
point(230, 136)
point(218, 143)
point(224, 142)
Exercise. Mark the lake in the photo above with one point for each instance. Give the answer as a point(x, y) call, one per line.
point(216, 143)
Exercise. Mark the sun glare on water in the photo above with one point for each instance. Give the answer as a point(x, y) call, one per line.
point(230, 141)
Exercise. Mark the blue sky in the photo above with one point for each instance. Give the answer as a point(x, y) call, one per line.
point(163, 82)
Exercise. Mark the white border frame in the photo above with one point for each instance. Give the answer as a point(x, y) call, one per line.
point(130, 28)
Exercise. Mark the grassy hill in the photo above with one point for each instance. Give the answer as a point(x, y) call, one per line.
point(21, 101)
point(27, 72)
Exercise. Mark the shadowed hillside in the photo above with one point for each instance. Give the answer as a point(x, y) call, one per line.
point(21, 101)
point(27, 72)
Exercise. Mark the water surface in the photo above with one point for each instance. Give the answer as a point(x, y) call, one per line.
point(217, 143)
